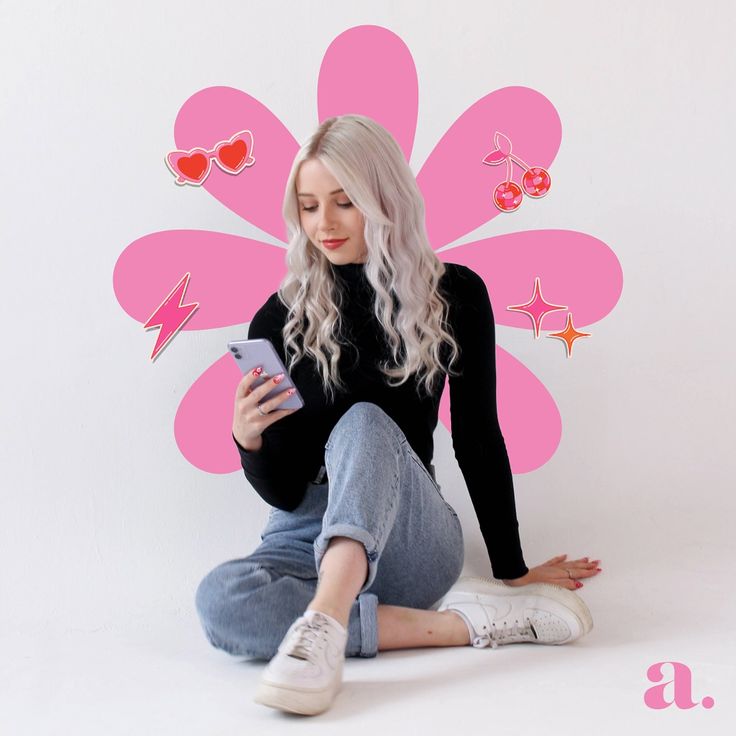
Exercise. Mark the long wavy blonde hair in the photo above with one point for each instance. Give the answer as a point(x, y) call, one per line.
point(401, 265)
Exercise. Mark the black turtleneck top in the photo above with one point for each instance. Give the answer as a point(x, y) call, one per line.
point(293, 447)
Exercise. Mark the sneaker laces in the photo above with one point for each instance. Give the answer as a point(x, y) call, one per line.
point(306, 638)
point(508, 634)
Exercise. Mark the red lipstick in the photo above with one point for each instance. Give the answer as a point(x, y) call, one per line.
point(332, 244)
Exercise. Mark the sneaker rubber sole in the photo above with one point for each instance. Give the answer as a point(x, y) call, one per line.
point(308, 702)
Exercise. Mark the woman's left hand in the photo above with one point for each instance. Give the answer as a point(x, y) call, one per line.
point(559, 571)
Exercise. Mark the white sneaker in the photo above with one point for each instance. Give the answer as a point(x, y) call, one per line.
point(496, 613)
point(305, 674)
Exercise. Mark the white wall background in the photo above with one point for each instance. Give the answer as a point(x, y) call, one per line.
point(107, 528)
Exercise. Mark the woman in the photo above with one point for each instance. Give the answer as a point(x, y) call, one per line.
point(360, 542)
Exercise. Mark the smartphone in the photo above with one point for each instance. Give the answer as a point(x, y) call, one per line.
point(249, 354)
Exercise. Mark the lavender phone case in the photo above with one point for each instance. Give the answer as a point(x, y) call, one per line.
point(249, 354)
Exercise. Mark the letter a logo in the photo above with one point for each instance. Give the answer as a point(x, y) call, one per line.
point(682, 686)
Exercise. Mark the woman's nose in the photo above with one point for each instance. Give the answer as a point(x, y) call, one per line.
point(326, 221)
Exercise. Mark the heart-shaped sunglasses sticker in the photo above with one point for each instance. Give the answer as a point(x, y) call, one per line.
point(194, 166)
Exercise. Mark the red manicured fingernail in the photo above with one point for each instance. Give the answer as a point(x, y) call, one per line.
point(578, 584)
point(599, 569)
point(257, 371)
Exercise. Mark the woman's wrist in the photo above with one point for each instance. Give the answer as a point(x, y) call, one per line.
point(253, 445)
point(516, 581)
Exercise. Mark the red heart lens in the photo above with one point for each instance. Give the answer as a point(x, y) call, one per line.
point(233, 155)
point(193, 167)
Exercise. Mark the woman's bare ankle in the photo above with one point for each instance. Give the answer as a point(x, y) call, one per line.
point(459, 627)
point(338, 614)
point(406, 628)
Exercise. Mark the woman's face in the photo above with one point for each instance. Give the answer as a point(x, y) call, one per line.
point(326, 213)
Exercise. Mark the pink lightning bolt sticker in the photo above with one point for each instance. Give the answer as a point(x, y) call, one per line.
point(171, 315)
point(536, 307)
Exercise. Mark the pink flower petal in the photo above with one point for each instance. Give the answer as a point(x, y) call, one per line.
point(203, 423)
point(457, 186)
point(368, 70)
point(527, 413)
point(231, 276)
point(215, 114)
point(575, 269)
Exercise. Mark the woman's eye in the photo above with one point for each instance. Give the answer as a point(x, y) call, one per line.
point(339, 204)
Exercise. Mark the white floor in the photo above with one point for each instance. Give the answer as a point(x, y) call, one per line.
point(164, 678)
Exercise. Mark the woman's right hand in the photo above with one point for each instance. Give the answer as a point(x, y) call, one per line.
point(248, 423)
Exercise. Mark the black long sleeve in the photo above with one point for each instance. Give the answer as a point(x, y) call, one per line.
point(278, 470)
point(477, 440)
point(293, 447)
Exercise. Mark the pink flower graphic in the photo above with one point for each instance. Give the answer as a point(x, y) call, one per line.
point(232, 276)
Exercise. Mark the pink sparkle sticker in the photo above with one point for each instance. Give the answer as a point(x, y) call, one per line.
point(536, 307)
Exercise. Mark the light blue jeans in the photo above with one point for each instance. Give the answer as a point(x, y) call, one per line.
point(378, 492)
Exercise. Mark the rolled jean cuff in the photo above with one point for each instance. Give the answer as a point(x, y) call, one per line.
point(368, 603)
point(352, 532)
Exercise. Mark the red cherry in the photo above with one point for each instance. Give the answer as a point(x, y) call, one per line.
point(536, 182)
point(507, 196)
